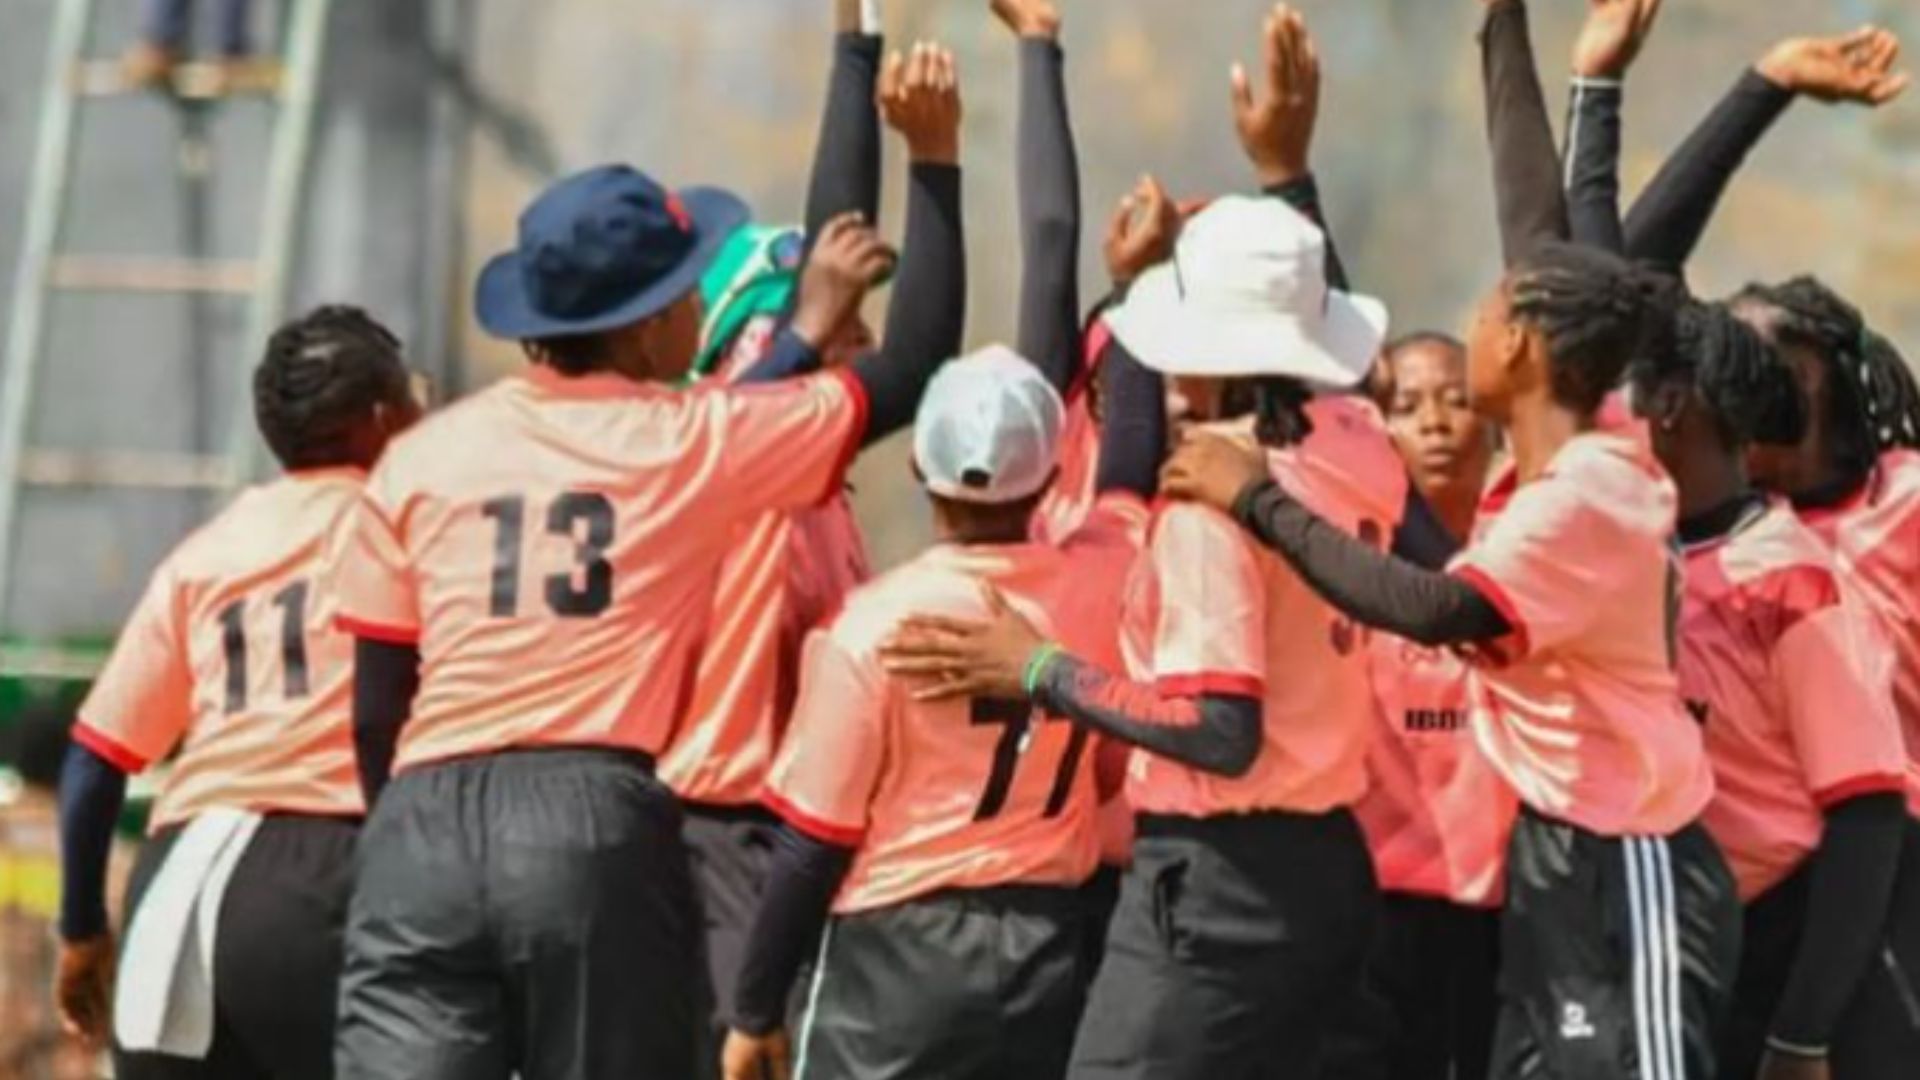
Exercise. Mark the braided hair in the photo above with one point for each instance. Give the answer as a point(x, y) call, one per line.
point(321, 377)
point(1873, 404)
point(1595, 312)
point(1730, 367)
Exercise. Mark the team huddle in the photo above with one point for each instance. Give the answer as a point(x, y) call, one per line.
point(1281, 697)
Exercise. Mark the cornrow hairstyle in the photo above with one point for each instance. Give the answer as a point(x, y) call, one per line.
point(322, 375)
point(1872, 402)
point(1732, 369)
point(1594, 311)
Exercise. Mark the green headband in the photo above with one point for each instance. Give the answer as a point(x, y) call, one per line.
point(756, 274)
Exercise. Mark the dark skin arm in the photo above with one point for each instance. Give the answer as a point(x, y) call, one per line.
point(1612, 38)
point(386, 677)
point(1047, 174)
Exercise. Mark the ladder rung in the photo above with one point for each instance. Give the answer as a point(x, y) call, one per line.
point(125, 469)
point(155, 273)
point(50, 662)
point(197, 80)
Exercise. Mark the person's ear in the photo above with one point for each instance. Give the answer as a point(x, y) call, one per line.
point(1666, 405)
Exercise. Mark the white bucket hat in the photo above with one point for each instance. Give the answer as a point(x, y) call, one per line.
point(988, 430)
point(1246, 294)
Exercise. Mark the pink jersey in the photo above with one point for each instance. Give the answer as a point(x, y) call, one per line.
point(1436, 814)
point(552, 544)
point(1579, 707)
point(1876, 539)
point(1066, 503)
point(785, 573)
point(1209, 610)
point(954, 794)
point(233, 657)
point(1785, 671)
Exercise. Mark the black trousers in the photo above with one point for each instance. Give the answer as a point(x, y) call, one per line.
point(1426, 1003)
point(276, 963)
point(982, 984)
point(1617, 955)
point(1879, 1034)
point(1234, 941)
point(731, 852)
point(526, 913)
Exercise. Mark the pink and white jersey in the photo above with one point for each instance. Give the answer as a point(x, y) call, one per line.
point(1784, 669)
point(232, 657)
point(1436, 814)
point(552, 543)
point(1876, 539)
point(1579, 706)
point(1210, 610)
point(955, 794)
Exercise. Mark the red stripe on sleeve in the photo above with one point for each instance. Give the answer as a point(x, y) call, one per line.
point(107, 747)
point(1502, 603)
point(372, 631)
point(824, 831)
point(1871, 784)
point(862, 412)
point(1211, 682)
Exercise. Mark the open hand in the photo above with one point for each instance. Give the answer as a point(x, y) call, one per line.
point(960, 658)
point(1029, 18)
point(919, 96)
point(1612, 37)
point(1276, 128)
point(846, 261)
point(756, 1057)
point(1856, 67)
point(1142, 232)
point(83, 988)
point(1214, 469)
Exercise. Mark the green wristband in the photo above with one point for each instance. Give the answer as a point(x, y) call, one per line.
point(1037, 666)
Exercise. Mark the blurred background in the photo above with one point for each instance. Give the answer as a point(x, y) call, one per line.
point(433, 121)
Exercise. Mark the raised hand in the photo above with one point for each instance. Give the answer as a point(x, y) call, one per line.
point(1142, 233)
point(1856, 67)
point(1612, 37)
point(1276, 127)
point(919, 97)
point(83, 988)
point(1029, 18)
point(846, 262)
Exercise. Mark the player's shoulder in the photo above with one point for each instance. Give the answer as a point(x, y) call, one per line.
point(454, 432)
point(1116, 520)
point(1607, 482)
point(1900, 481)
point(928, 584)
point(264, 523)
point(1777, 557)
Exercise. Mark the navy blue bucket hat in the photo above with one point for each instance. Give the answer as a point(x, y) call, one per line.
point(602, 249)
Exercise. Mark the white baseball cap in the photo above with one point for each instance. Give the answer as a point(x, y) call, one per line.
point(1246, 294)
point(988, 430)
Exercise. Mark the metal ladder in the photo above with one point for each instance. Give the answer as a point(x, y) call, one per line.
point(72, 80)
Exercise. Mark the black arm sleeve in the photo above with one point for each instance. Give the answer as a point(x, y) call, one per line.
point(801, 882)
point(1526, 169)
point(846, 157)
point(92, 791)
point(787, 357)
point(1048, 176)
point(1133, 429)
point(385, 679)
point(1304, 195)
point(1373, 587)
point(1847, 901)
point(1593, 164)
point(1216, 733)
point(1671, 215)
point(1421, 539)
point(928, 312)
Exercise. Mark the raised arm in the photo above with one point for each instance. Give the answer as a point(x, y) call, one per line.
point(1276, 127)
point(846, 156)
point(1613, 36)
point(920, 97)
point(1526, 170)
point(1133, 425)
point(1671, 215)
point(1376, 588)
point(1047, 174)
